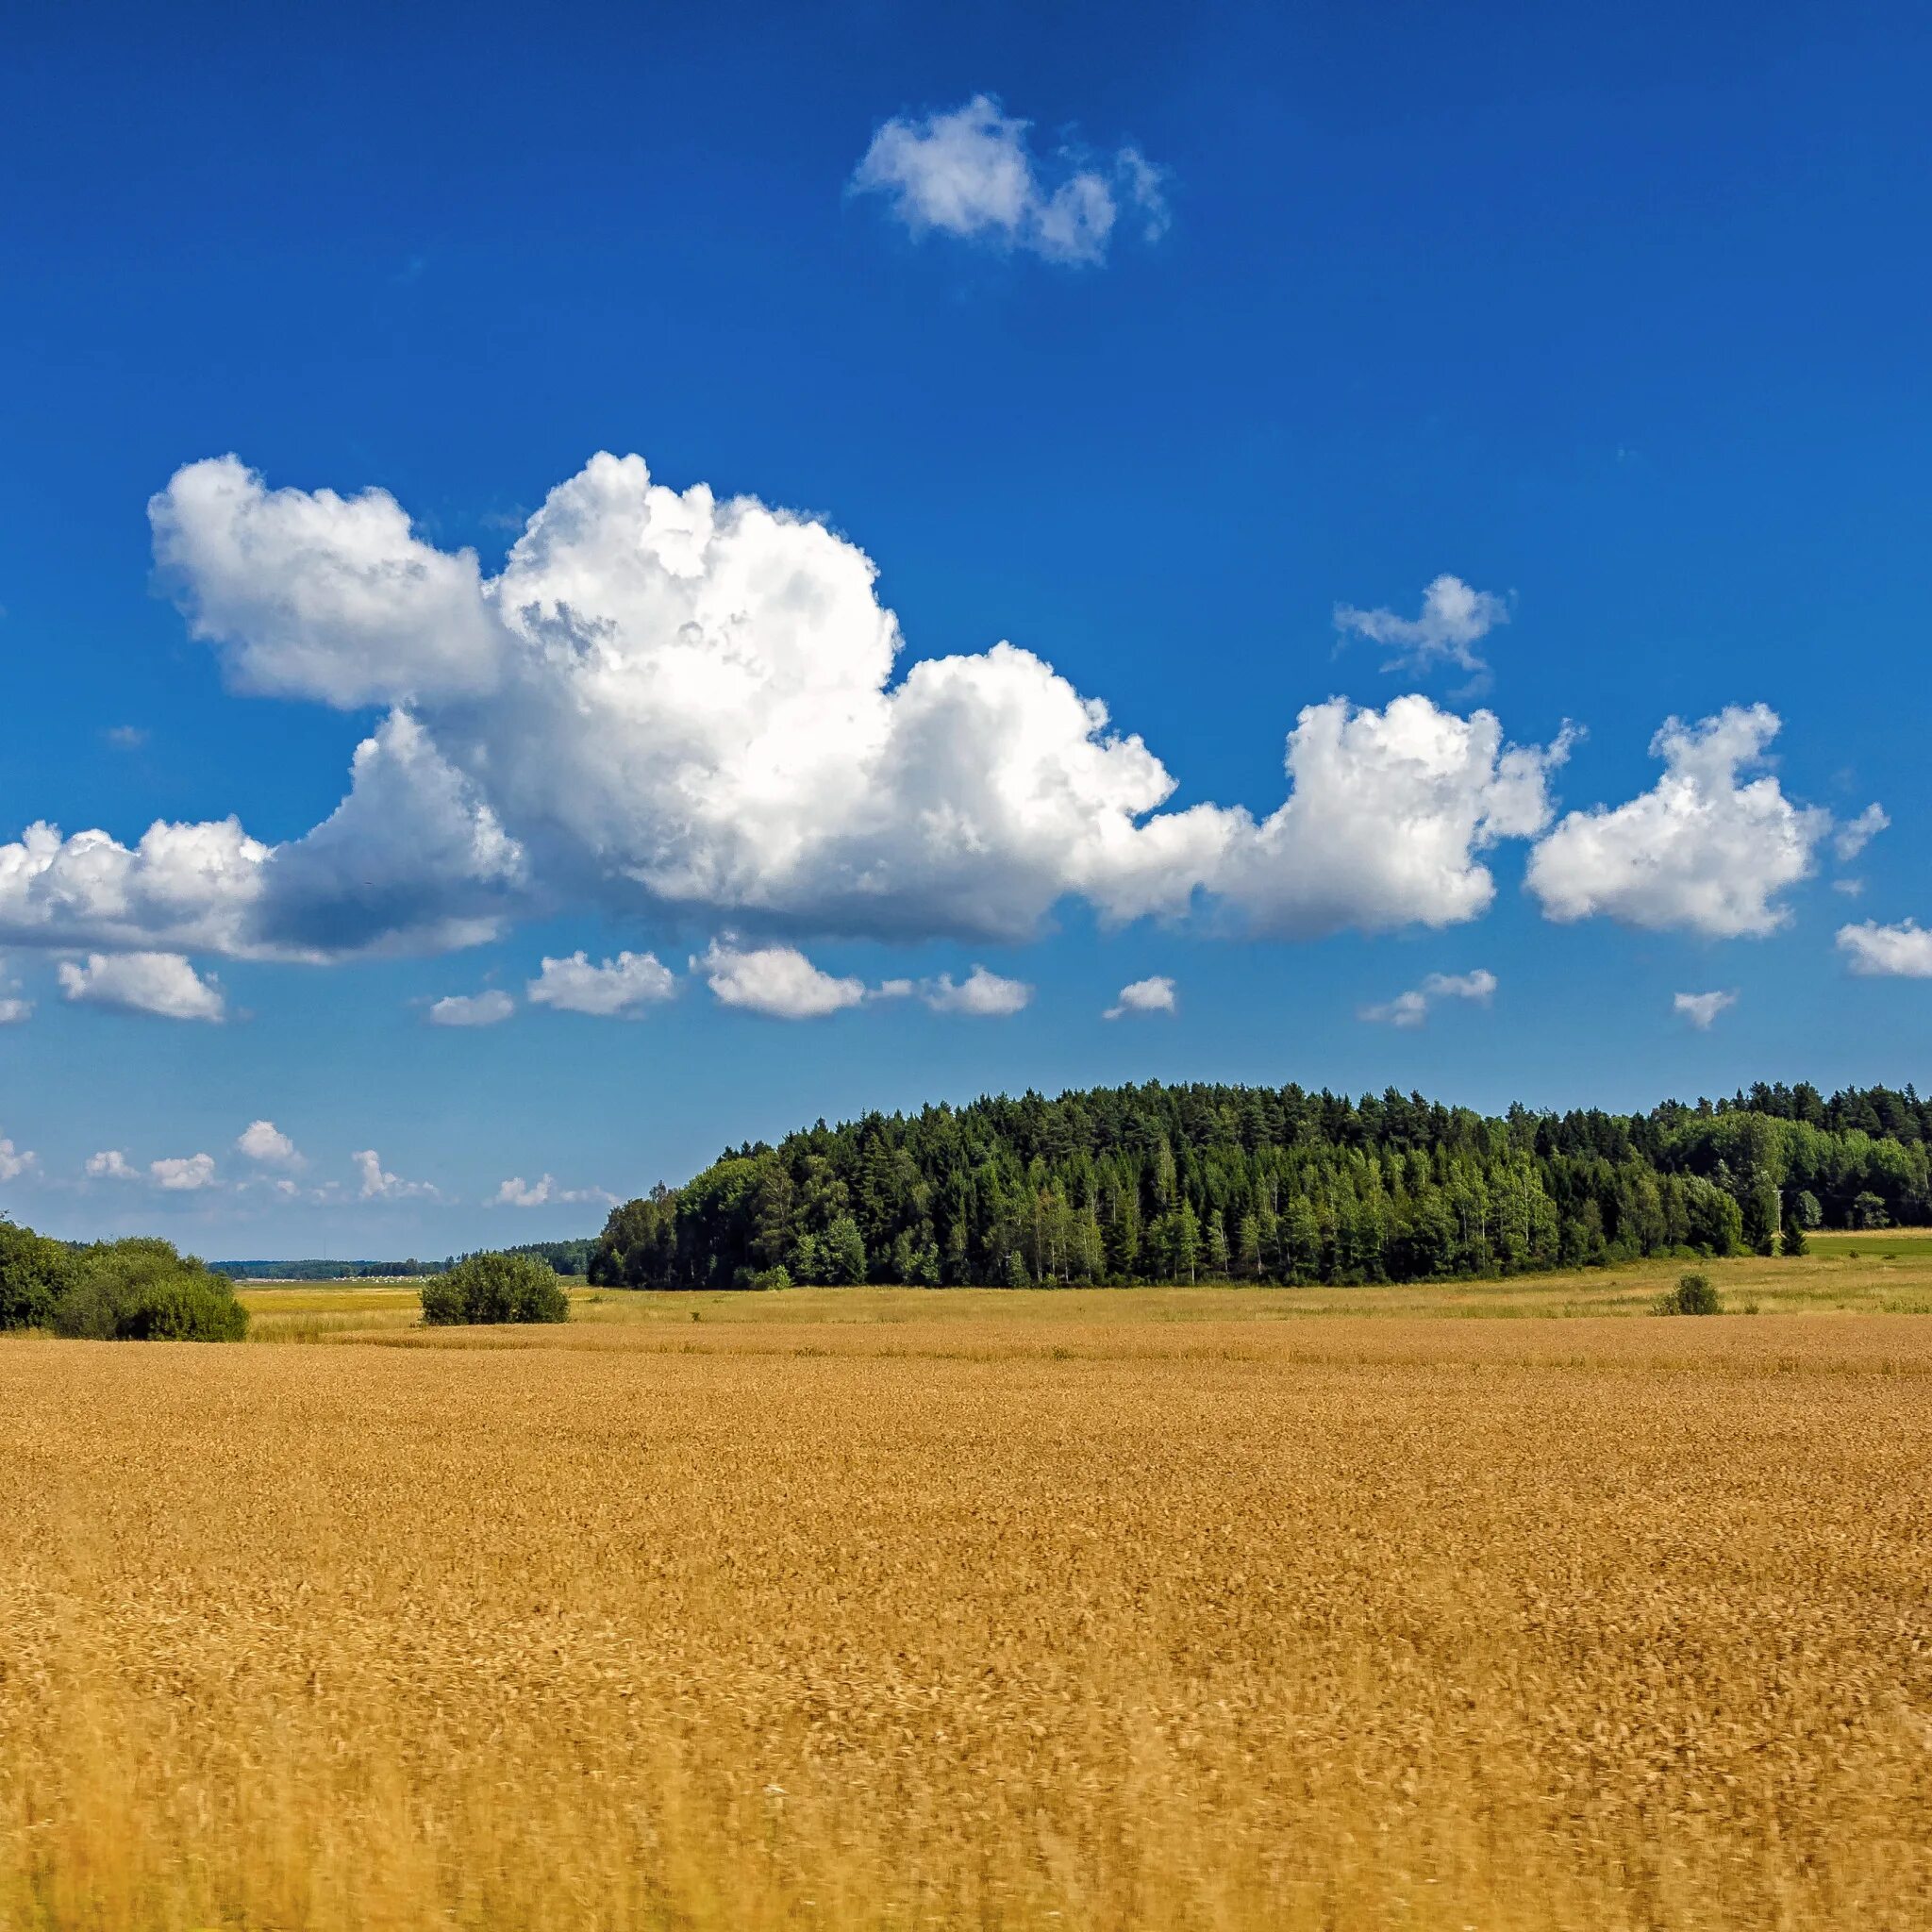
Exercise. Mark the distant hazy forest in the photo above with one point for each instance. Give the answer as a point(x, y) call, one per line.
point(1273, 1184)
point(567, 1257)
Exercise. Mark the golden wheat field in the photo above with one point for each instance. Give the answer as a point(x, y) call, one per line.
point(896, 1609)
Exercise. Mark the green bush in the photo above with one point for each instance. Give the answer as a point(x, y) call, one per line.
point(779, 1276)
point(1693, 1295)
point(495, 1288)
point(34, 1273)
point(143, 1291)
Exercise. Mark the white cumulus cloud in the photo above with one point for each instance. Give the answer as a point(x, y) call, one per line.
point(779, 980)
point(185, 1174)
point(1388, 812)
point(669, 703)
point(378, 1184)
point(1453, 621)
point(472, 1009)
point(194, 887)
point(15, 1161)
point(970, 171)
point(265, 1143)
point(1900, 952)
point(112, 1164)
point(1154, 995)
point(1703, 850)
point(622, 987)
point(1411, 1008)
point(517, 1193)
point(159, 983)
point(1701, 1008)
point(981, 994)
point(311, 594)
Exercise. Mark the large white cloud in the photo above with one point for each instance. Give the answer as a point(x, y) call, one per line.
point(672, 706)
point(1897, 952)
point(159, 983)
point(16, 1162)
point(970, 171)
point(1704, 850)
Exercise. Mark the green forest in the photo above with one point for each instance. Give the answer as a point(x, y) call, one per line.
point(1262, 1184)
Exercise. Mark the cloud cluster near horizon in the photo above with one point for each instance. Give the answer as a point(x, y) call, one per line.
point(970, 171)
point(673, 706)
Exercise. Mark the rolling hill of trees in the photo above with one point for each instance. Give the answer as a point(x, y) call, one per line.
point(1191, 1183)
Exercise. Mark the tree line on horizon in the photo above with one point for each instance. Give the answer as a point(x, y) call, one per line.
point(562, 1258)
point(1228, 1183)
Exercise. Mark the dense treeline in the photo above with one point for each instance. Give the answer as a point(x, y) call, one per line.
point(561, 1257)
point(1262, 1184)
point(139, 1290)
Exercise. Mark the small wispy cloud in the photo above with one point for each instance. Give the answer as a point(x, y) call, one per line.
point(971, 172)
point(1411, 1008)
point(543, 1193)
point(1454, 620)
point(1701, 1008)
point(379, 1183)
point(472, 1009)
point(1853, 834)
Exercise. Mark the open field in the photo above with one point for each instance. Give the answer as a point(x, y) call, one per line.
point(898, 1608)
point(1888, 1273)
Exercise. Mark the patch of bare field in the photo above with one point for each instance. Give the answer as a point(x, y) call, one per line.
point(974, 1619)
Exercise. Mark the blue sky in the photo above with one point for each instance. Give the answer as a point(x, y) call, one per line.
point(1148, 341)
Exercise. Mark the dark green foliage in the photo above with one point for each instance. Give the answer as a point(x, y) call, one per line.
point(1268, 1184)
point(34, 1273)
point(1794, 1241)
point(495, 1288)
point(1693, 1295)
point(142, 1291)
